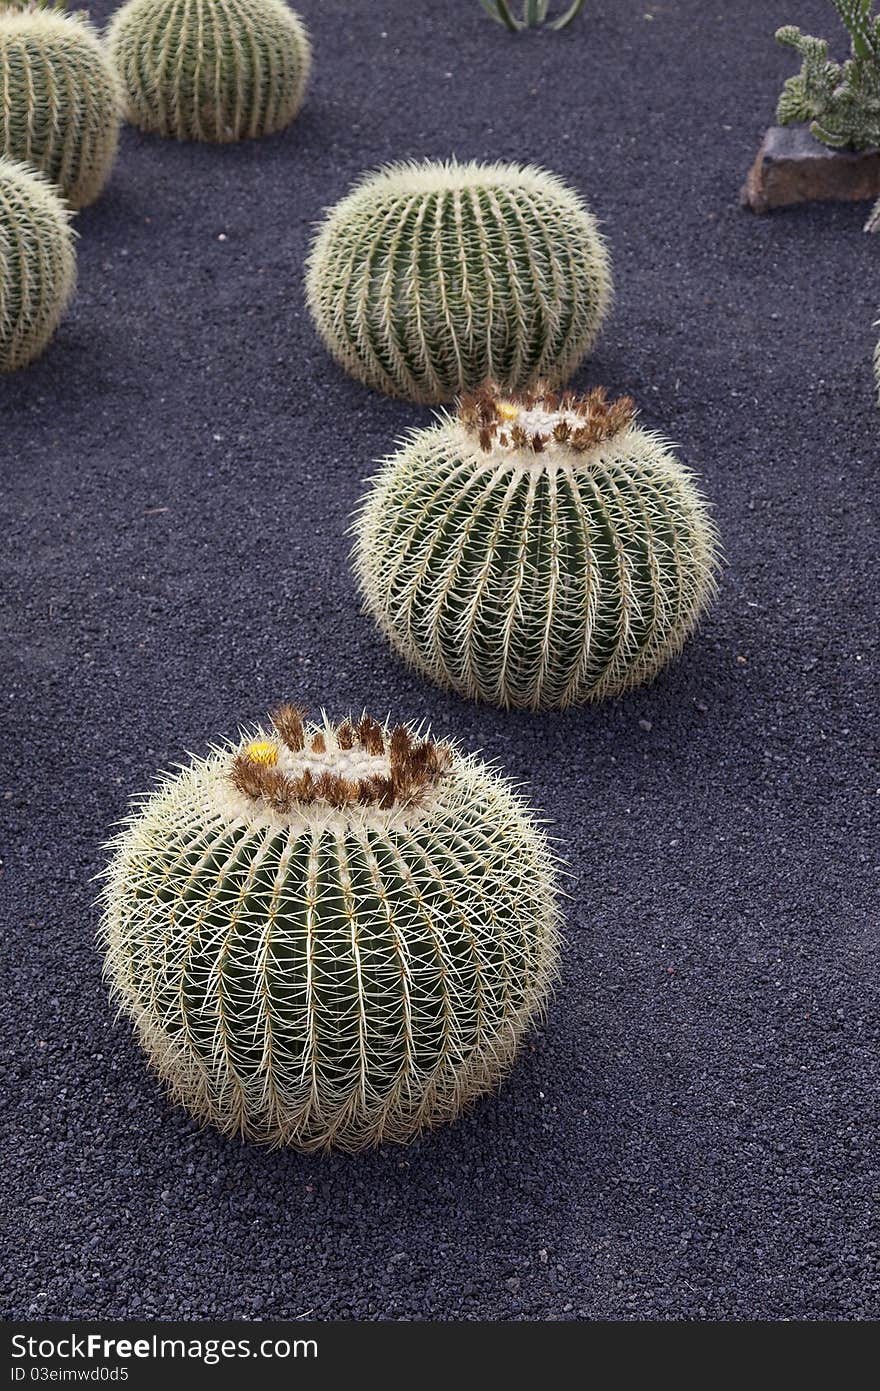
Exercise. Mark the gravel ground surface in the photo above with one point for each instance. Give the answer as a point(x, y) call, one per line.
point(694, 1132)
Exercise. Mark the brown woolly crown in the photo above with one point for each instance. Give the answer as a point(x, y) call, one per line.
point(578, 423)
point(331, 764)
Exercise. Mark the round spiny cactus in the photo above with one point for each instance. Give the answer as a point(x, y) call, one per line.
point(427, 278)
point(37, 263)
point(331, 935)
point(536, 551)
point(228, 70)
point(60, 101)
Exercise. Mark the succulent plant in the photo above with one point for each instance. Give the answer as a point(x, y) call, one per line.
point(229, 70)
point(535, 551)
point(534, 13)
point(840, 101)
point(427, 278)
point(60, 108)
point(331, 935)
point(37, 263)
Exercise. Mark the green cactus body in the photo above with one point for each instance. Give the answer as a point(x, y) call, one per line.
point(61, 103)
point(228, 70)
point(427, 278)
point(37, 263)
point(535, 552)
point(841, 101)
point(331, 935)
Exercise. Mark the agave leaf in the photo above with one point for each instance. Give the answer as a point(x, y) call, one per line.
point(571, 13)
point(500, 12)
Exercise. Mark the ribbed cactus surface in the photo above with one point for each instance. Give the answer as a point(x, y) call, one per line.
point(427, 278)
point(218, 71)
point(60, 101)
point(37, 263)
point(535, 551)
point(331, 935)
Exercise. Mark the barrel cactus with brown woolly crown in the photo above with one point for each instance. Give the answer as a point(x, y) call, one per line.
point(535, 551)
point(60, 100)
point(331, 935)
point(37, 263)
point(429, 277)
point(228, 70)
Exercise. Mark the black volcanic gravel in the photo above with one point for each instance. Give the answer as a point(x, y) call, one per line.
point(693, 1134)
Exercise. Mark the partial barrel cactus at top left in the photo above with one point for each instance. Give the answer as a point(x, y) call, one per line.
point(228, 70)
point(427, 278)
point(60, 99)
point(37, 263)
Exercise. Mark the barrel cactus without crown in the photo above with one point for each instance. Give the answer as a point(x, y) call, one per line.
point(37, 263)
point(60, 106)
point(228, 70)
point(331, 935)
point(535, 551)
point(427, 278)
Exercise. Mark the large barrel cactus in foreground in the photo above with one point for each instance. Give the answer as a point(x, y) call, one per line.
point(535, 551)
point(60, 102)
point(331, 935)
point(427, 278)
point(37, 263)
point(228, 70)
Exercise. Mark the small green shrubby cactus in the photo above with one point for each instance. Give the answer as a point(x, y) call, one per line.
point(428, 277)
point(37, 263)
point(536, 551)
point(841, 101)
point(226, 70)
point(60, 101)
point(331, 935)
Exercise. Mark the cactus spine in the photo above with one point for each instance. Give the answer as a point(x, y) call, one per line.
point(228, 70)
point(37, 263)
point(61, 102)
point(427, 278)
point(330, 935)
point(537, 551)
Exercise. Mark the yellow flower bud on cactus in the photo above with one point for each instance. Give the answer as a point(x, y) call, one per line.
point(262, 751)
